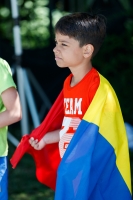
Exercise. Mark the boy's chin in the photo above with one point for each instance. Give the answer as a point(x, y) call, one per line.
point(61, 66)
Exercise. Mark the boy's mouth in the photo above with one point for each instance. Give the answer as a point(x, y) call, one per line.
point(57, 58)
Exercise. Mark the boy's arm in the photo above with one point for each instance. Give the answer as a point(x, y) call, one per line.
point(13, 112)
point(49, 138)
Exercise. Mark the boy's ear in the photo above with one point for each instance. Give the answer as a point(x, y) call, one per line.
point(88, 50)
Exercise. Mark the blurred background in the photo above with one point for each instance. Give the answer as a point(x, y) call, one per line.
point(27, 42)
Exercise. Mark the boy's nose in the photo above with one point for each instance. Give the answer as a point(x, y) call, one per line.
point(55, 49)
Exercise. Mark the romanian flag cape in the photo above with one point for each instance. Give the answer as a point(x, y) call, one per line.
point(96, 163)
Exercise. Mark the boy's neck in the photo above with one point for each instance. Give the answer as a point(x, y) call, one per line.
point(78, 74)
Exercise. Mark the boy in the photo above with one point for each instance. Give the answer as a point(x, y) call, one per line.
point(75, 49)
point(92, 139)
point(10, 112)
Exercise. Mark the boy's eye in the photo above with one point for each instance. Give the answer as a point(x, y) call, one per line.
point(64, 44)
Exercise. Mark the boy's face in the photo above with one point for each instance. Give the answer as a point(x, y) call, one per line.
point(67, 51)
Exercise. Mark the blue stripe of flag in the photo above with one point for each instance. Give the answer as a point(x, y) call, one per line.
point(88, 169)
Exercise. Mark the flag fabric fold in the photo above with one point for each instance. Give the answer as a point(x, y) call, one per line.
point(96, 163)
point(47, 159)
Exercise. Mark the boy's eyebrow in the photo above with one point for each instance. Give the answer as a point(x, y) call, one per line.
point(62, 41)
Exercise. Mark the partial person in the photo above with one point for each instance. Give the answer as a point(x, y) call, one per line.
point(10, 112)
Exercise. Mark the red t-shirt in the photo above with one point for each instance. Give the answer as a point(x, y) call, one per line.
point(76, 101)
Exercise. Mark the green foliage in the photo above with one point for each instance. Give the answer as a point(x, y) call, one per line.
point(124, 3)
point(36, 30)
point(5, 24)
point(34, 23)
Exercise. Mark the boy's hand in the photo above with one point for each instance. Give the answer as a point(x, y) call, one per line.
point(49, 138)
point(37, 145)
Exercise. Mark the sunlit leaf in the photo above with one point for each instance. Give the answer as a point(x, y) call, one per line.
point(41, 11)
point(42, 2)
point(24, 12)
point(56, 15)
point(20, 2)
point(4, 12)
point(28, 4)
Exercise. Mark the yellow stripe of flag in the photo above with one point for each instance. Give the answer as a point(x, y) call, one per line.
point(105, 112)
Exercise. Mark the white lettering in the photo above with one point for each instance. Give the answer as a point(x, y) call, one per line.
point(77, 106)
point(73, 106)
point(66, 104)
point(65, 124)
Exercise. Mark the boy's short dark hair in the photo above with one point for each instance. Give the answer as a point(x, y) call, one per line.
point(84, 27)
